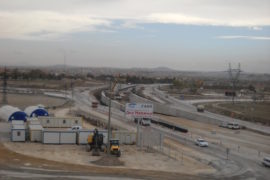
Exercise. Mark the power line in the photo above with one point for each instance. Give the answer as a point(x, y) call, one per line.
point(234, 77)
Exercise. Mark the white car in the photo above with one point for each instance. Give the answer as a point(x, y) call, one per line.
point(233, 126)
point(230, 125)
point(266, 161)
point(201, 142)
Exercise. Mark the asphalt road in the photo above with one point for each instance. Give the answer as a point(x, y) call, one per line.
point(188, 107)
point(237, 167)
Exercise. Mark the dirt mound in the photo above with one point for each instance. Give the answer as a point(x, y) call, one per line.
point(108, 160)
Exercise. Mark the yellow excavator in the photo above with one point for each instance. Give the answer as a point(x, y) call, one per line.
point(95, 144)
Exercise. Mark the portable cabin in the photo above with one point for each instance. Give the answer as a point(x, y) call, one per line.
point(35, 132)
point(18, 133)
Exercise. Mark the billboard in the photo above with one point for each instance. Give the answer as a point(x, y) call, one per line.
point(139, 110)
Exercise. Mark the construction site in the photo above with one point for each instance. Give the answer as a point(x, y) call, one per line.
point(112, 130)
point(134, 89)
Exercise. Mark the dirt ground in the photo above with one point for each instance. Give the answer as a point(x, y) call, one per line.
point(107, 160)
point(50, 84)
point(23, 100)
point(131, 157)
point(61, 112)
point(249, 111)
point(13, 161)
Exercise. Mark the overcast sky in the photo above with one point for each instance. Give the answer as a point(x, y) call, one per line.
point(180, 34)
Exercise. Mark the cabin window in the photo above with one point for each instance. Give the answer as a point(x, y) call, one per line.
point(64, 121)
point(76, 121)
point(18, 133)
point(48, 121)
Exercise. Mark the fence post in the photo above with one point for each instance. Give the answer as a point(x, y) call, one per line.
point(160, 140)
point(141, 140)
point(182, 159)
point(227, 152)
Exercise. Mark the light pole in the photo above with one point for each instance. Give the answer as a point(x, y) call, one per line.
point(109, 119)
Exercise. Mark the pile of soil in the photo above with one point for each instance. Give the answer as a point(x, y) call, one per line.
point(108, 160)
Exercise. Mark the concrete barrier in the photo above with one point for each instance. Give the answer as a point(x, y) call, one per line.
point(114, 104)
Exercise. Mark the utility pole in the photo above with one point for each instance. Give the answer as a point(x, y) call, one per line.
point(72, 93)
point(4, 100)
point(72, 89)
point(109, 119)
point(138, 132)
point(65, 72)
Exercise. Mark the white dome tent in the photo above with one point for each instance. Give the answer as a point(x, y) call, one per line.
point(36, 111)
point(10, 113)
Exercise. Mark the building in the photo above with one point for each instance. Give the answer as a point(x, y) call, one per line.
point(58, 137)
point(9, 113)
point(35, 132)
point(60, 122)
point(18, 133)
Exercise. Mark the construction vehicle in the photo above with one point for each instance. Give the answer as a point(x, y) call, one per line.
point(115, 147)
point(95, 143)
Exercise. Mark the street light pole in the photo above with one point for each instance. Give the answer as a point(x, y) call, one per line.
point(109, 120)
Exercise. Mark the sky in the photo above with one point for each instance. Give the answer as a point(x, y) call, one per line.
point(200, 35)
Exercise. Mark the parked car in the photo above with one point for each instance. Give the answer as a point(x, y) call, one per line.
point(201, 142)
point(266, 161)
point(75, 128)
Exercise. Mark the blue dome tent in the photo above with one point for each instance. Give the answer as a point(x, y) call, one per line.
point(10, 113)
point(36, 111)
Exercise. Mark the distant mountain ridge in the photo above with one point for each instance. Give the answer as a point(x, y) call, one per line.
point(147, 72)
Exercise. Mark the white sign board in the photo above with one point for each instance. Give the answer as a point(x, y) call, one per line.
point(139, 110)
